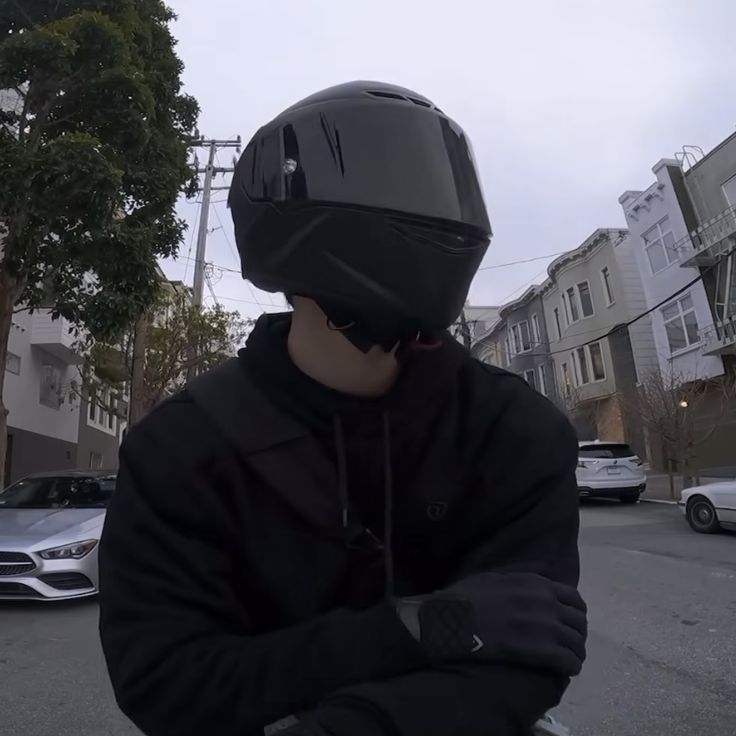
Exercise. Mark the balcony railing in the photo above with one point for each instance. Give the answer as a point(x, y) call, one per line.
point(720, 338)
point(55, 337)
point(709, 241)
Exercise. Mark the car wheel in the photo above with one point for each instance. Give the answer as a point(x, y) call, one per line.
point(631, 497)
point(702, 516)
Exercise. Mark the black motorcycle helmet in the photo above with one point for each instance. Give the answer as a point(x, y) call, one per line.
point(365, 198)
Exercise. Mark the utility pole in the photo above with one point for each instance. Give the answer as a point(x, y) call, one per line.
point(200, 263)
point(209, 173)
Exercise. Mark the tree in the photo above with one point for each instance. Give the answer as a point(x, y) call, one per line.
point(681, 414)
point(93, 156)
point(177, 336)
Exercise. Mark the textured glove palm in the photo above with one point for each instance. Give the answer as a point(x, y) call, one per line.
point(521, 618)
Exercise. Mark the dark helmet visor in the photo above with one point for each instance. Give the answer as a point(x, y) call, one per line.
point(400, 157)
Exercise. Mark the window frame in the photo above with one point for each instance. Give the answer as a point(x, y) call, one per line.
point(525, 348)
point(583, 366)
point(580, 299)
point(542, 379)
point(99, 417)
point(558, 325)
point(531, 372)
point(566, 382)
point(45, 391)
point(607, 289)
point(592, 363)
point(11, 361)
point(681, 317)
point(659, 241)
point(536, 333)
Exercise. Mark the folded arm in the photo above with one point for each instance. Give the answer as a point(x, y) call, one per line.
point(537, 534)
point(172, 624)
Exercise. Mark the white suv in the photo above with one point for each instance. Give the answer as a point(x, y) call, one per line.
point(609, 470)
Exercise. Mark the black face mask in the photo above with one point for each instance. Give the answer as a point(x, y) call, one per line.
point(366, 334)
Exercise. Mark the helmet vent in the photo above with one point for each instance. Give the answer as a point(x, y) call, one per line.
point(387, 95)
point(421, 103)
point(396, 96)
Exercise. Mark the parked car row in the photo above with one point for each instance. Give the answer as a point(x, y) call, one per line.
point(613, 470)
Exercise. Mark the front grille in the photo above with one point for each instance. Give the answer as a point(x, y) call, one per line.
point(15, 563)
point(12, 589)
point(66, 580)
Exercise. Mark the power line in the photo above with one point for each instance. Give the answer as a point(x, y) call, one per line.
point(235, 255)
point(626, 325)
point(525, 260)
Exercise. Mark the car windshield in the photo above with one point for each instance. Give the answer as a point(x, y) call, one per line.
point(606, 451)
point(58, 493)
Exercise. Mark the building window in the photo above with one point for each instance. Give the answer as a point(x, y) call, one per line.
point(12, 364)
point(580, 361)
point(607, 289)
point(557, 323)
point(102, 412)
point(565, 379)
point(566, 310)
point(725, 301)
point(531, 378)
point(50, 393)
point(586, 303)
point(507, 350)
point(524, 338)
point(588, 364)
point(572, 300)
point(659, 243)
point(596, 362)
point(681, 324)
point(729, 189)
point(95, 461)
point(542, 380)
point(515, 342)
point(535, 330)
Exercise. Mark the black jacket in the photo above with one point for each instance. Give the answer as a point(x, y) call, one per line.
point(239, 583)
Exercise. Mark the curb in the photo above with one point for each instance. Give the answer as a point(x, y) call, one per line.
point(656, 500)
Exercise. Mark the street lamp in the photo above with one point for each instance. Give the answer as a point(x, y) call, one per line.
point(683, 404)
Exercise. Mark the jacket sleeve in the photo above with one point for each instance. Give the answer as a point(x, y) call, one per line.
point(172, 623)
point(535, 531)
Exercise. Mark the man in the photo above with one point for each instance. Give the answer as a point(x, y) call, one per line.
point(354, 529)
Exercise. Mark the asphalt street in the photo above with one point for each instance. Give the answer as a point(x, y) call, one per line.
point(662, 658)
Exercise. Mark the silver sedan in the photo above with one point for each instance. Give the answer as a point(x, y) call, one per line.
point(50, 527)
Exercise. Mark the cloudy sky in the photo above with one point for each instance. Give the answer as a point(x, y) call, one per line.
point(568, 102)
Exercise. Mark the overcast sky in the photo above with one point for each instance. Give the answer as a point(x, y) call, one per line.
point(568, 102)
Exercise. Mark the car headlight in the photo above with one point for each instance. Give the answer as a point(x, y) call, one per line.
point(74, 551)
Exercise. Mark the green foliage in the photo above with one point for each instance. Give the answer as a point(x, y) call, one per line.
point(92, 157)
point(179, 336)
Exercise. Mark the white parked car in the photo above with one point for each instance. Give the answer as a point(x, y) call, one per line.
point(710, 507)
point(610, 470)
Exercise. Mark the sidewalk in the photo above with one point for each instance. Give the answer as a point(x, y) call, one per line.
point(658, 486)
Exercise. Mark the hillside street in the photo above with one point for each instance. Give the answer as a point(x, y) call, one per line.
point(662, 653)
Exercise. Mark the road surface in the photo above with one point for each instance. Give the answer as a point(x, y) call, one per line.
point(662, 647)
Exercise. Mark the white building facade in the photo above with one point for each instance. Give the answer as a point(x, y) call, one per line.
point(681, 313)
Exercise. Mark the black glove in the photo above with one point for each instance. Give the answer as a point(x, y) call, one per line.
point(521, 618)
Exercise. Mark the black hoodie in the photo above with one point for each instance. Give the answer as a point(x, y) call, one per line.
point(254, 540)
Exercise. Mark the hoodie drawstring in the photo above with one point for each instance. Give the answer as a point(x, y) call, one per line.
point(388, 497)
point(388, 509)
